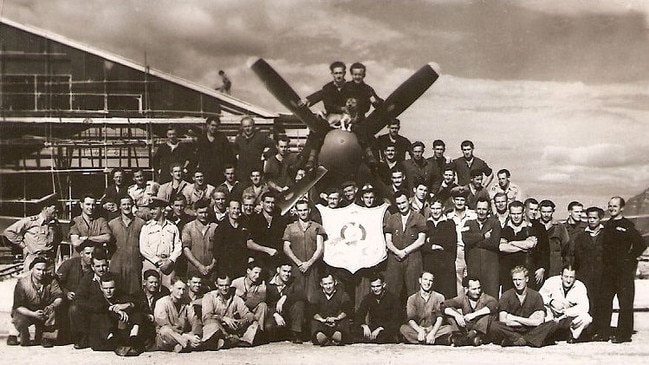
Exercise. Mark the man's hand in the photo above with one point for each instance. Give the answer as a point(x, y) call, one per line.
point(279, 307)
point(400, 255)
point(459, 319)
point(469, 317)
point(271, 252)
point(231, 322)
point(192, 340)
point(279, 320)
point(70, 295)
point(421, 335)
point(39, 314)
point(204, 270)
point(539, 274)
point(430, 337)
point(367, 333)
point(165, 265)
point(376, 333)
point(305, 266)
point(487, 234)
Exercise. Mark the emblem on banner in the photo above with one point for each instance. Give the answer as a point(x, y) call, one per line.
point(355, 236)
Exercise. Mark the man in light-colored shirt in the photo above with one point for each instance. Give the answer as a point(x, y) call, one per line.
point(160, 243)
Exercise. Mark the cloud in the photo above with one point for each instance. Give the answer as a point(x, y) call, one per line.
point(599, 155)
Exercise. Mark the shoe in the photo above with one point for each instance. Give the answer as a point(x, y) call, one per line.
point(616, 339)
point(519, 342)
point(477, 340)
point(599, 338)
point(458, 340)
point(122, 351)
point(506, 343)
point(446, 340)
point(12, 341)
point(571, 340)
point(47, 343)
point(296, 338)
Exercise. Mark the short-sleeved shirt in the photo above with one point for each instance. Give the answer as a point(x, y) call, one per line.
point(94, 227)
point(230, 249)
point(403, 237)
point(303, 242)
point(509, 303)
point(199, 239)
point(252, 294)
point(424, 311)
point(158, 241)
point(34, 232)
point(462, 303)
point(463, 169)
point(28, 295)
point(281, 172)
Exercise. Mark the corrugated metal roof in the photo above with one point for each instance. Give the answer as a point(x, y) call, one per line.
point(228, 103)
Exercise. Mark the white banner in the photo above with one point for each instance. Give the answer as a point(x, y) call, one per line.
point(355, 238)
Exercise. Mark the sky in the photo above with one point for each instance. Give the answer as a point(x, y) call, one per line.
point(557, 91)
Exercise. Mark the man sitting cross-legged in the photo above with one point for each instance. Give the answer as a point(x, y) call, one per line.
point(331, 308)
point(425, 316)
point(521, 315)
point(227, 321)
point(471, 313)
point(252, 289)
point(286, 306)
point(379, 314)
point(174, 321)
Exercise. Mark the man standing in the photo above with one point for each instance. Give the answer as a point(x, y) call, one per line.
point(518, 239)
point(377, 317)
point(198, 244)
point(172, 152)
point(142, 191)
point(331, 310)
point(463, 165)
point(36, 235)
point(257, 186)
point(213, 152)
point(621, 246)
point(566, 302)
point(438, 162)
point(389, 163)
point(538, 259)
point(424, 314)
point(160, 243)
point(174, 322)
point(587, 257)
point(36, 299)
point(481, 239)
point(558, 239)
point(460, 215)
point(475, 190)
point(173, 187)
point(231, 185)
point(448, 184)
point(286, 306)
point(401, 143)
point(439, 253)
point(304, 246)
point(470, 314)
point(126, 263)
point(249, 146)
point(521, 317)
point(266, 231)
point(218, 200)
point(112, 193)
point(574, 224)
point(280, 168)
point(405, 233)
point(501, 208)
point(512, 191)
point(89, 226)
point(230, 238)
point(418, 168)
point(199, 190)
point(419, 199)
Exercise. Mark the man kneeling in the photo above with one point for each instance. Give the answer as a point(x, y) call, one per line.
point(378, 315)
point(330, 308)
point(423, 310)
point(521, 315)
point(471, 313)
point(227, 321)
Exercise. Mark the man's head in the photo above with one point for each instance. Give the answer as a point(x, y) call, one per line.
point(178, 205)
point(426, 281)
point(151, 281)
point(520, 277)
point(568, 276)
point(338, 71)
point(417, 150)
point(268, 202)
point(255, 177)
point(202, 211)
point(616, 207)
point(516, 212)
point(503, 178)
point(531, 209)
point(401, 200)
point(176, 171)
point(284, 271)
point(575, 209)
point(212, 124)
point(253, 272)
point(476, 179)
point(178, 289)
point(107, 283)
point(38, 268)
point(138, 177)
point(368, 197)
point(303, 210)
point(333, 199)
point(118, 176)
point(420, 190)
point(449, 174)
point(156, 207)
point(126, 205)
point(219, 199)
point(99, 262)
point(230, 174)
point(283, 145)
point(349, 191)
point(467, 149)
point(234, 210)
point(247, 125)
point(87, 204)
point(546, 207)
point(328, 283)
point(459, 195)
point(248, 204)
point(199, 178)
point(86, 250)
point(482, 207)
point(393, 127)
point(223, 285)
point(439, 147)
point(472, 287)
point(594, 216)
point(377, 284)
point(500, 202)
point(397, 178)
point(437, 208)
point(172, 136)
point(390, 152)
point(195, 284)
point(357, 71)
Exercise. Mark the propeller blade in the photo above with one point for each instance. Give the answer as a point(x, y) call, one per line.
point(401, 98)
point(285, 94)
point(289, 197)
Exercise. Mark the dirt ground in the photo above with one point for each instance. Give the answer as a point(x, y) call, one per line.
point(636, 352)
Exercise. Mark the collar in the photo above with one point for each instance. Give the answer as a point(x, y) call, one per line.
point(594, 232)
point(523, 224)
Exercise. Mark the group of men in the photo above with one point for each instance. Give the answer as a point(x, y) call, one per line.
point(212, 263)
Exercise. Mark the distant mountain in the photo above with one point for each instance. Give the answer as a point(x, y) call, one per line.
point(638, 205)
